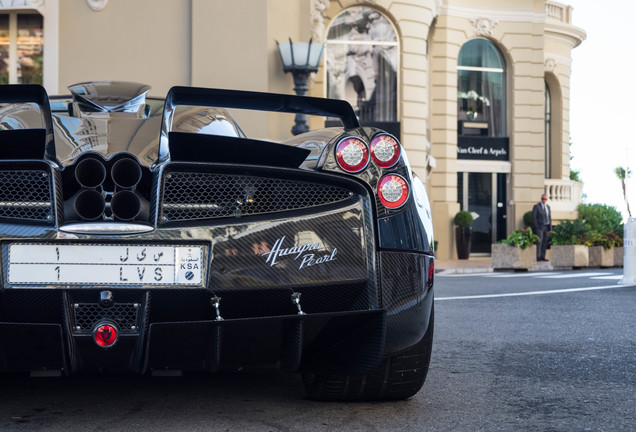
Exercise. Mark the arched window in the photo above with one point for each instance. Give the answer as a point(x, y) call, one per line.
point(553, 128)
point(362, 63)
point(481, 90)
point(21, 48)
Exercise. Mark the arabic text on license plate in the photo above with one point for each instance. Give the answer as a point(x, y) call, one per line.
point(104, 264)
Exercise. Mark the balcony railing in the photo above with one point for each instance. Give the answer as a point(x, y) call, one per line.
point(558, 11)
point(563, 195)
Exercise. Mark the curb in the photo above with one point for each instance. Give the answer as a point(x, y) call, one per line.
point(487, 269)
point(464, 270)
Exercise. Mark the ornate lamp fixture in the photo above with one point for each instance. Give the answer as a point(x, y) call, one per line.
point(301, 59)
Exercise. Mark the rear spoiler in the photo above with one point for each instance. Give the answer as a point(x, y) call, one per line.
point(28, 143)
point(257, 101)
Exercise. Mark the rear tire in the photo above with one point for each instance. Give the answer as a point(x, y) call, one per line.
point(398, 377)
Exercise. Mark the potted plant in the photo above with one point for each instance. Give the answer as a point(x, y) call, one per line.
point(463, 232)
point(570, 241)
point(517, 251)
point(601, 250)
point(607, 223)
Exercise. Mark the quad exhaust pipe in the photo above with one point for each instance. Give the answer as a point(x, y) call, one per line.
point(91, 202)
point(126, 173)
point(126, 205)
point(87, 204)
point(90, 173)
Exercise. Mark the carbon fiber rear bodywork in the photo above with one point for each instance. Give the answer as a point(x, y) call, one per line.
point(301, 267)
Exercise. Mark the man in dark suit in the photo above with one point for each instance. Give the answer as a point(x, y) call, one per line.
point(542, 225)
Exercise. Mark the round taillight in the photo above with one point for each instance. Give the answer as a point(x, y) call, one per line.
point(105, 335)
point(393, 191)
point(352, 155)
point(385, 150)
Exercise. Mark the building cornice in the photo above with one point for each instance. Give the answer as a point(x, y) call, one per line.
point(564, 31)
point(572, 34)
point(493, 14)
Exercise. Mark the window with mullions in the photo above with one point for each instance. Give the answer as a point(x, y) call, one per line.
point(548, 132)
point(21, 48)
point(481, 90)
point(362, 63)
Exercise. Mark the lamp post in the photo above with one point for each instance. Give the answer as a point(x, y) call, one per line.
point(301, 59)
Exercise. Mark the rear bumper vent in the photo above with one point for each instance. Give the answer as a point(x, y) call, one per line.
point(197, 195)
point(87, 315)
point(25, 194)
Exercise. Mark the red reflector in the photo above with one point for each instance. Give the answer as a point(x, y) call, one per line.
point(105, 335)
point(352, 155)
point(393, 191)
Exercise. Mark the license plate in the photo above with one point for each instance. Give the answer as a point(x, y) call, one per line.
point(46, 264)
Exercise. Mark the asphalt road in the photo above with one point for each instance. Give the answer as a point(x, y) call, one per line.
point(507, 356)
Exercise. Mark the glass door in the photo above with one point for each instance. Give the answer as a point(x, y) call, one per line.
point(480, 204)
point(484, 195)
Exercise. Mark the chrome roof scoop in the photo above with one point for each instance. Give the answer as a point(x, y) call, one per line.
point(93, 97)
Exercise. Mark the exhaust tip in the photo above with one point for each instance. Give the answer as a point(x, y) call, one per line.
point(90, 204)
point(126, 173)
point(125, 205)
point(90, 173)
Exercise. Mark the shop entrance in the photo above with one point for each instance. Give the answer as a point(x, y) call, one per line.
point(484, 195)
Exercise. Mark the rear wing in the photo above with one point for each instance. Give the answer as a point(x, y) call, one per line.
point(28, 143)
point(272, 102)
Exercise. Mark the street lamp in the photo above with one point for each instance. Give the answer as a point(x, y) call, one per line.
point(301, 59)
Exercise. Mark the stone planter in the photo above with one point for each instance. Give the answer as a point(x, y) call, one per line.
point(601, 257)
point(513, 257)
point(618, 256)
point(569, 256)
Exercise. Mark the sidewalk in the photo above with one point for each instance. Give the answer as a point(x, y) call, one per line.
point(476, 265)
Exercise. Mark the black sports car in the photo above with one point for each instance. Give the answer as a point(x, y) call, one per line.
point(154, 236)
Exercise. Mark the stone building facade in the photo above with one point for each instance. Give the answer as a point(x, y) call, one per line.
point(478, 92)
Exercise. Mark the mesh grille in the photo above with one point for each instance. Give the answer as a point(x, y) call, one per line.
point(25, 194)
point(188, 196)
point(87, 315)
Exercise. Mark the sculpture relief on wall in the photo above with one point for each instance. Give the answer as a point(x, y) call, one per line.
point(318, 8)
point(550, 64)
point(483, 26)
point(97, 5)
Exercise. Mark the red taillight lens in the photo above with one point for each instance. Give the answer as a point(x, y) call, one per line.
point(352, 155)
point(385, 150)
point(393, 191)
point(105, 335)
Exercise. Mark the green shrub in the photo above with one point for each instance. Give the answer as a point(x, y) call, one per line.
point(608, 240)
point(463, 219)
point(575, 232)
point(527, 218)
point(522, 238)
point(601, 218)
point(614, 239)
